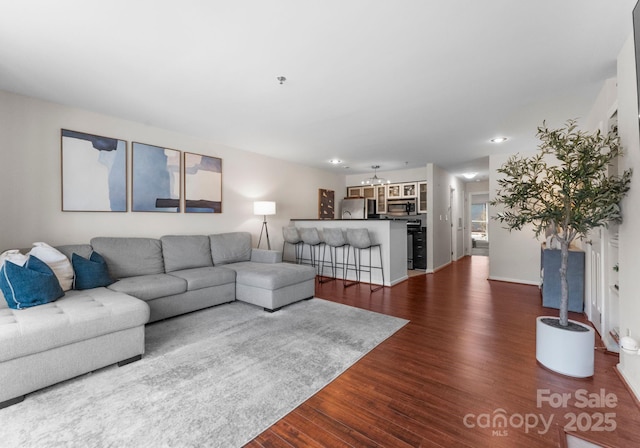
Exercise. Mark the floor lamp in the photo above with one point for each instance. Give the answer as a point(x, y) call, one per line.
point(264, 208)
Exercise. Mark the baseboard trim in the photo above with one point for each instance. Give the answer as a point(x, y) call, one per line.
point(634, 396)
point(441, 267)
point(401, 279)
point(513, 280)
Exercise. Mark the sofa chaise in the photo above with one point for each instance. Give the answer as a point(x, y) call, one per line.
point(155, 279)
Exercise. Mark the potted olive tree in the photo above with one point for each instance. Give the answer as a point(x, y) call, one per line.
point(565, 189)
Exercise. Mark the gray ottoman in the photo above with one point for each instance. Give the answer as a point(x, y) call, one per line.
point(80, 332)
point(273, 285)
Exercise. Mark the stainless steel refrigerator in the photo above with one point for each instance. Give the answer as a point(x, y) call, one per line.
point(354, 208)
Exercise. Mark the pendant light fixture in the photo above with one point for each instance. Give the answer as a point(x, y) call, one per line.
point(375, 180)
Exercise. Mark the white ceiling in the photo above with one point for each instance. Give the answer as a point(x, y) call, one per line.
point(371, 82)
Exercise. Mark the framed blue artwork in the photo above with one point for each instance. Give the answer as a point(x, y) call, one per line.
point(202, 183)
point(155, 179)
point(94, 173)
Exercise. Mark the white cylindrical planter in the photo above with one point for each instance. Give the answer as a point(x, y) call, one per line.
point(568, 352)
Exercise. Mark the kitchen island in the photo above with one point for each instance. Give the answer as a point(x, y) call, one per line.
point(390, 234)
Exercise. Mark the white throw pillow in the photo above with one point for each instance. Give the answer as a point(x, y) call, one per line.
point(13, 255)
point(57, 261)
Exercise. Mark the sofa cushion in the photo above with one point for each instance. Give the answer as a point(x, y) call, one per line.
point(199, 278)
point(271, 275)
point(186, 252)
point(230, 247)
point(149, 287)
point(84, 250)
point(130, 257)
point(29, 285)
point(77, 316)
point(266, 256)
point(90, 273)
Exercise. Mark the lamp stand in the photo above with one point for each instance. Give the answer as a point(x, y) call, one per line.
point(265, 229)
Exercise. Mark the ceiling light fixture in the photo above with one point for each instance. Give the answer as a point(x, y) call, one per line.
point(470, 175)
point(335, 161)
point(282, 79)
point(499, 140)
point(375, 180)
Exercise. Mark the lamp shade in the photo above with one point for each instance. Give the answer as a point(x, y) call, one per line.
point(264, 208)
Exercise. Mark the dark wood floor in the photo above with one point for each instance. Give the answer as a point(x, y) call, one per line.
point(469, 350)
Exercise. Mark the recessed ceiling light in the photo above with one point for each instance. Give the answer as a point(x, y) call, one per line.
point(335, 161)
point(470, 175)
point(499, 140)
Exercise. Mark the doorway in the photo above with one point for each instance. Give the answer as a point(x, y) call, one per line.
point(479, 223)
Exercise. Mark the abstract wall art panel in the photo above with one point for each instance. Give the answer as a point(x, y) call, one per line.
point(326, 204)
point(156, 179)
point(94, 173)
point(202, 183)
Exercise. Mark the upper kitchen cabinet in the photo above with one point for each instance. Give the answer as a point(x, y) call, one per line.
point(361, 192)
point(410, 190)
point(400, 191)
point(381, 199)
point(422, 197)
point(394, 191)
point(354, 192)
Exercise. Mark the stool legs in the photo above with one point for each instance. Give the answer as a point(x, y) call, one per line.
point(333, 255)
point(297, 247)
point(314, 255)
point(357, 260)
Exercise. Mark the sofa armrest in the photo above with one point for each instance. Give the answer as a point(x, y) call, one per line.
point(266, 256)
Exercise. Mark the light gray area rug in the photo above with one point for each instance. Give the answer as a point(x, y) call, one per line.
point(215, 378)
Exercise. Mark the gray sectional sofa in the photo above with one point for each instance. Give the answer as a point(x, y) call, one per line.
point(156, 279)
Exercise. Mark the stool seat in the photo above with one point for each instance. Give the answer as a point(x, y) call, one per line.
point(292, 236)
point(311, 239)
point(359, 240)
point(335, 239)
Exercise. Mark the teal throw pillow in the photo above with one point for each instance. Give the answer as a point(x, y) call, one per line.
point(29, 285)
point(91, 273)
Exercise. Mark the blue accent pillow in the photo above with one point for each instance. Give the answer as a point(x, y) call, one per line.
point(29, 285)
point(91, 273)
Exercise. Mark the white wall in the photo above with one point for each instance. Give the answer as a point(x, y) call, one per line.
point(603, 106)
point(629, 237)
point(30, 181)
point(513, 256)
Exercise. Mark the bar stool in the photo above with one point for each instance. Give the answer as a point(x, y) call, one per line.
point(360, 240)
point(311, 238)
point(292, 236)
point(334, 239)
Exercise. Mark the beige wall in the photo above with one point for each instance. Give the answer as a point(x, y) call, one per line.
point(30, 181)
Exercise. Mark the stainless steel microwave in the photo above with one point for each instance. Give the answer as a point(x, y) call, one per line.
point(402, 207)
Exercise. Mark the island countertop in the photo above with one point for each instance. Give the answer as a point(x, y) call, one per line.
point(390, 234)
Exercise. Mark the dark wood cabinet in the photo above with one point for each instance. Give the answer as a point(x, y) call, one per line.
point(420, 248)
point(550, 272)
